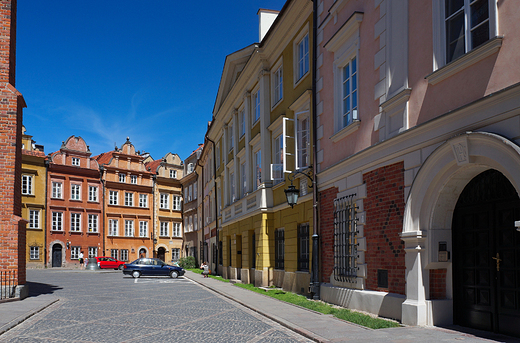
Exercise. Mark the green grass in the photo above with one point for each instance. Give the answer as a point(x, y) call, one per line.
point(199, 271)
point(341, 313)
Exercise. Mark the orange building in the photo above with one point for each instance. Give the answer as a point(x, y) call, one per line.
point(74, 204)
point(128, 198)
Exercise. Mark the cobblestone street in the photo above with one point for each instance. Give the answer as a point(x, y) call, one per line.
point(107, 307)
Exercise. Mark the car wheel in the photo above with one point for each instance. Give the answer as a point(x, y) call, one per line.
point(121, 267)
point(174, 274)
point(135, 274)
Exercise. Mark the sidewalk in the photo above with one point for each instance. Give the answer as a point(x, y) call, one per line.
point(14, 312)
point(326, 328)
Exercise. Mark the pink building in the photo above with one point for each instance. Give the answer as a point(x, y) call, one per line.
point(418, 105)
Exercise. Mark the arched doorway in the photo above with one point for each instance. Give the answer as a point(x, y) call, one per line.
point(142, 252)
point(486, 250)
point(161, 253)
point(56, 255)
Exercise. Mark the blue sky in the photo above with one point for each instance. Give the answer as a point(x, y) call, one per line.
point(111, 69)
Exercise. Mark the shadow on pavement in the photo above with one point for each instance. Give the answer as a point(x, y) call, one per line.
point(36, 289)
point(482, 334)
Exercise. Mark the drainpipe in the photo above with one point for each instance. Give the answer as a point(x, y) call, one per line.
point(216, 200)
point(315, 282)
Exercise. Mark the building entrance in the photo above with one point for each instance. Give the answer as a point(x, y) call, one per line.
point(56, 255)
point(486, 250)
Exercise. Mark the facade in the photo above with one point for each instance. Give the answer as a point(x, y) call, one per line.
point(34, 177)
point(74, 205)
point(262, 132)
point(418, 160)
point(128, 203)
point(193, 242)
point(167, 218)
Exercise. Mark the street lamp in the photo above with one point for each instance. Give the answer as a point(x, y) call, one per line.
point(292, 193)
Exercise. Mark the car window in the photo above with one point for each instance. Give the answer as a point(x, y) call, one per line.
point(110, 259)
point(160, 263)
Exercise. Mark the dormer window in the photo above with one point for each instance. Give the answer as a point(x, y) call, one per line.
point(75, 161)
point(173, 174)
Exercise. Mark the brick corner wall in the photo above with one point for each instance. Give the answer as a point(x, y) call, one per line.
point(326, 217)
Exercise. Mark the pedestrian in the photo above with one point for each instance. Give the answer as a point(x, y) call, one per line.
point(205, 269)
point(80, 257)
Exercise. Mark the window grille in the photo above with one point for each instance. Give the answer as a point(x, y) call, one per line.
point(345, 242)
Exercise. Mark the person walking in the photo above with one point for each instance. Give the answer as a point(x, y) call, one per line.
point(205, 269)
point(80, 257)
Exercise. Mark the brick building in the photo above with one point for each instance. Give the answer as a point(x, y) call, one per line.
point(74, 205)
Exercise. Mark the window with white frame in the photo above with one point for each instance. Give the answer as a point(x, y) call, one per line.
point(176, 203)
point(186, 226)
point(113, 227)
point(114, 254)
point(122, 178)
point(92, 252)
point(143, 229)
point(129, 228)
point(176, 229)
point(243, 181)
point(232, 194)
point(303, 140)
point(75, 192)
point(195, 190)
point(57, 221)
point(241, 122)
point(173, 174)
point(190, 192)
point(277, 85)
point(163, 201)
point(195, 222)
point(302, 57)
point(231, 136)
point(57, 188)
point(34, 253)
point(75, 222)
point(143, 200)
point(258, 168)
point(176, 254)
point(34, 219)
point(93, 223)
point(349, 94)
point(74, 253)
point(277, 167)
point(75, 161)
point(129, 199)
point(186, 200)
point(124, 254)
point(133, 179)
point(93, 193)
point(219, 200)
point(113, 197)
point(255, 102)
point(27, 184)
point(163, 229)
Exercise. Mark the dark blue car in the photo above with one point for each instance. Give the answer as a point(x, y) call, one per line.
point(151, 267)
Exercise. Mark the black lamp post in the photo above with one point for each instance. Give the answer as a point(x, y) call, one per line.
point(292, 194)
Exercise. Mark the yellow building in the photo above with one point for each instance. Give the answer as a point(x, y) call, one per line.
point(167, 216)
point(262, 132)
point(33, 199)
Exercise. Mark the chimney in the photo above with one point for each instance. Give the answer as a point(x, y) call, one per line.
point(266, 18)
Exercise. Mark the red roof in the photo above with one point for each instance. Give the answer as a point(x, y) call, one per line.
point(152, 166)
point(104, 158)
point(33, 153)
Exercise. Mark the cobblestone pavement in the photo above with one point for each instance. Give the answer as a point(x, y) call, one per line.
point(107, 307)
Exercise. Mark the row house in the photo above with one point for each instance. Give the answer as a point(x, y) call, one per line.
point(128, 193)
point(34, 177)
point(167, 216)
point(418, 105)
point(261, 130)
point(74, 204)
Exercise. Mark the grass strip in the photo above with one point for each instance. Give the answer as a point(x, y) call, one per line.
point(199, 271)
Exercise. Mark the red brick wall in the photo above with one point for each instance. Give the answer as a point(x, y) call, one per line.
point(437, 284)
point(384, 209)
point(326, 218)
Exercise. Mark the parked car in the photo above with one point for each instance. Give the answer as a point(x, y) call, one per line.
point(105, 262)
point(151, 267)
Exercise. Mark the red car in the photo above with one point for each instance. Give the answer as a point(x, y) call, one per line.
point(109, 263)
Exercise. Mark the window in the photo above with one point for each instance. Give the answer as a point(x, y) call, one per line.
point(232, 194)
point(258, 168)
point(303, 186)
point(195, 190)
point(243, 182)
point(176, 203)
point(75, 161)
point(256, 106)
point(34, 219)
point(143, 229)
point(303, 247)
point(57, 221)
point(231, 136)
point(278, 85)
point(176, 253)
point(279, 248)
point(113, 227)
point(143, 200)
point(74, 253)
point(345, 242)
point(75, 192)
point(75, 222)
point(92, 193)
point(176, 229)
point(277, 167)
point(163, 230)
point(349, 103)
point(27, 181)
point(57, 190)
point(93, 223)
point(114, 254)
point(124, 254)
point(195, 222)
point(112, 197)
point(34, 253)
point(303, 141)
point(217, 154)
point(190, 192)
point(122, 178)
point(129, 199)
point(303, 57)
point(173, 174)
point(163, 201)
point(241, 123)
point(92, 251)
point(129, 228)
point(133, 179)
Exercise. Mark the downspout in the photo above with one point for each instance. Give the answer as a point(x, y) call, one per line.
point(315, 282)
point(216, 203)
